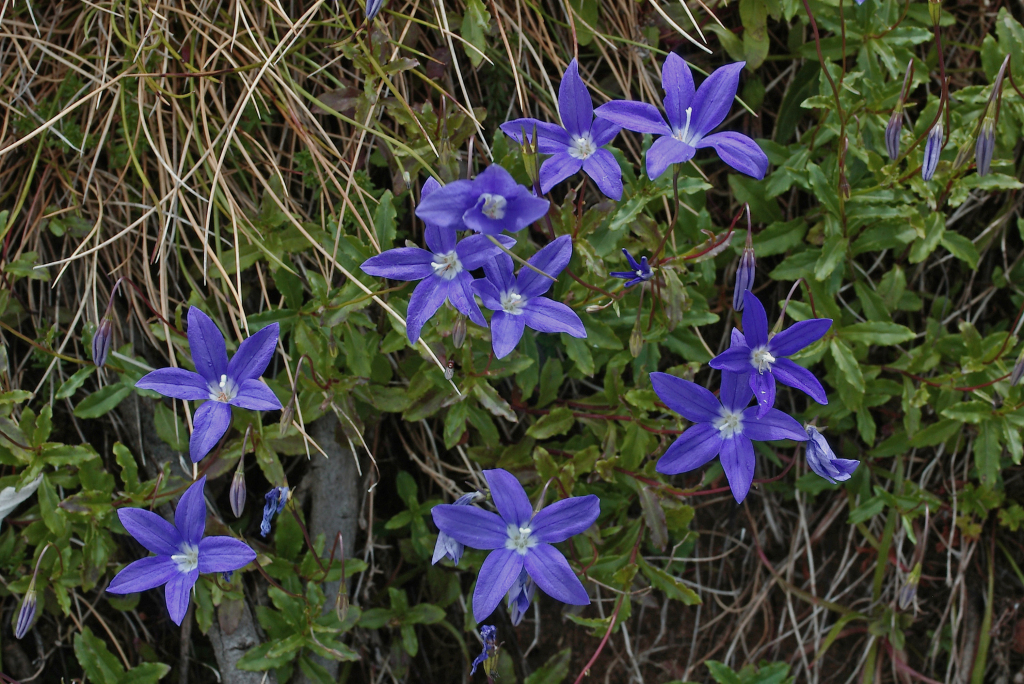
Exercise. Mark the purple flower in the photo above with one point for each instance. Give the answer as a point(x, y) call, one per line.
point(445, 545)
point(640, 273)
point(691, 116)
point(985, 145)
point(517, 302)
point(720, 428)
point(576, 144)
point(181, 551)
point(276, 498)
point(744, 275)
point(761, 358)
point(932, 150)
point(224, 384)
point(520, 596)
point(487, 634)
point(373, 6)
point(443, 270)
point(824, 461)
point(101, 340)
point(519, 540)
point(490, 203)
point(27, 614)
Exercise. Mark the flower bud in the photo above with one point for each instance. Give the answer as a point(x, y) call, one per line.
point(372, 7)
point(27, 614)
point(985, 146)
point(1018, 370)
point(531, 158)
point(892, 132)
point(237, 492)
point(823, 461)
point(744, 275)
point(101, 342)
point(935, 11)
point(287, 415)
point(636, 341)
point(932, 150)
point(459, 331)
point(909, 590)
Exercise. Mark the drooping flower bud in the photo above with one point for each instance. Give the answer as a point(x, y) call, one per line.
point(372, 7)
point(985, 146)
point(636, 340)
point(895, 126)
point(101, 342)
point(27, 614)
point(745, 271)
point(237, 492)
point(823, 461)
point(459, 331)
point(909, 590)
point(932, 149)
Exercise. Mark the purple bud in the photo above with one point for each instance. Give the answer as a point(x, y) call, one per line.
point(1018, 370)
point(237, 492)
point(892, 132)
point(372, 7)
point(985, 146)
point(27, 614)
point(744, 277)
point(909, 590)
point(459, 331)
point(520, 596)
point(101, 342)
point(823, 460)
point(932, 150)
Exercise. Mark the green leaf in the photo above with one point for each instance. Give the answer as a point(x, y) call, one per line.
point(269, 463)
point(129, 468)
point(146, 673)
point(673, 588)
point(384, 220)
point(103, 401)
point(551, 377)
point(424, 614)
point(877, 332)
point(754, 15)
point(259, 659)
point(936, 433)
point(832, 252)
point(960, 247)
point(170, 428)
point(49, 508)
point(554, 671)
point(578, 351)
point(101, 666)
point(969, 412)
point(558, 422)
point(71, 385)
point(475, 25)
point(489, 399)
point(988, 449)
point(778, 238)
point(934, 228)
point(872, 304)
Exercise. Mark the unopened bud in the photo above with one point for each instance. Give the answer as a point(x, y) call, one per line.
point(237, 492)
point(744, 277)
point(287, 415)
point(372, 7)
point(935, 11)
point(985, 146)
point(531, 158)
point(932, 150)
point(895, 126)
point(909, 590)
point(27, 614)
point(459, 331)
point(101, 342)
point(1018, 370)
point(636, 341)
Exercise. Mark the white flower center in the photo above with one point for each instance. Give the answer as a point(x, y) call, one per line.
point(729, 423)
point(512, 303)
point(447, 266)
point(639, 274)
point(683, 134)
point(223, 391)
point(519, 539)
point(494, 206)
point(187, 559)
point(762, 359)
point(582, 146)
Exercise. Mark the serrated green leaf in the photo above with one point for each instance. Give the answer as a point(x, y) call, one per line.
point(558, 422)
point(103, 401)
point(877, 332)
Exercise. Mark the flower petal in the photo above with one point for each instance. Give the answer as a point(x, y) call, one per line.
point(666, 151)
point(677, 82)
point(763, 387)
point(574, 104)
point(403, 263)
point(255, 396)
point(476, 250)
point(474, 527)
point(209, 423)
point(426, 299)
point(696, 446)
point(460, 294)
point(144, 574)
point(190, 516)
point(604, 170)
point(789, 373)
point(548, 316)
point(254, 354)
point(634, 116)
point(224, 554)
point(565, 518)
point(206, 342)
point(488, 293)
point(713, 100)
point(551, 138)
point(738, 151)
point(151, 530)
point(509, 497)
point(556, 169)
point(506, 331)
point(774, 425)
point(686, 398)
point(176, 383)
point(755, 321)
point(551, 259)
point(179, 591)
point(738, 464)
point(735, 390)
point(497, 573)
point(735, 359)
point(798, 336)
point(445, 206)
point(549, 569)
point(439, 239)
point(499, 271)
point(603, 131)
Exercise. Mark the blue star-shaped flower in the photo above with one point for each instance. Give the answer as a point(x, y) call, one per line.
point(641, 272)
